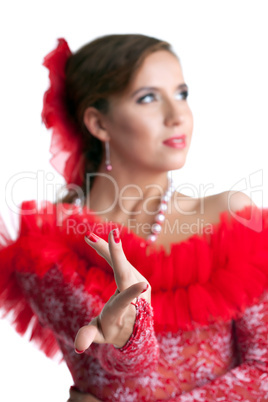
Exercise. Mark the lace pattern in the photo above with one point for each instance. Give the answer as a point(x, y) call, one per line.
point(196, 365)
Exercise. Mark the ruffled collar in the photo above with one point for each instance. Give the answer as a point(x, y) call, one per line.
point(204, 278)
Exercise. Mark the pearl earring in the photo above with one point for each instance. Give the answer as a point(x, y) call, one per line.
point(107, 156)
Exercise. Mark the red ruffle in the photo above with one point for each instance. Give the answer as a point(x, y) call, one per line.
point(204, 278)
point(66, 143)
point(13, 301)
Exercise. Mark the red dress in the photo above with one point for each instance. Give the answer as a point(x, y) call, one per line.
point(205, 337)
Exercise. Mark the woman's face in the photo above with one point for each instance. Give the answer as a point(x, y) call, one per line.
point(152, 110)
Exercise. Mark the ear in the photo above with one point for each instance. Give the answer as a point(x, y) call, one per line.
point(94, 122)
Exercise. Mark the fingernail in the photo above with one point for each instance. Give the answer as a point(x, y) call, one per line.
point(79, 351)
point(92, 237)
point(116, 235)
point(144, 290)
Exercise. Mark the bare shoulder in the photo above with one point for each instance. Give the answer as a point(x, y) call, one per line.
point(193, 214)
point(231, 201)
point(207, 209)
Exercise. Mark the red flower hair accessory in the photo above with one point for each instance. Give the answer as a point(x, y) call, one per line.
point(66, 142)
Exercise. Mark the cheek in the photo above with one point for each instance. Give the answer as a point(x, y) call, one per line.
point(189, 117)
point(133, 127)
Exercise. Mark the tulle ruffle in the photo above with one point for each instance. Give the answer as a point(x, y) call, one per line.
point(203, 279)
point(66, 144)
point(13, 302)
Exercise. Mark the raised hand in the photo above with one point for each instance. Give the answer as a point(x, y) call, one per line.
point(115, 323)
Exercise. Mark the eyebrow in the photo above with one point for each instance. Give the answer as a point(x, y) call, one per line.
point(181, 86)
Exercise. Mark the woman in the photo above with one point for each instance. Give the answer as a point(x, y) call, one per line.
point(120, 118)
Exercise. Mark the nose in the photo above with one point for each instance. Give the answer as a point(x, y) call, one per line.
point(174, 112)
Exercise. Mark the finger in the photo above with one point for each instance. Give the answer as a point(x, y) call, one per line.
point(118, 257)
point(100, 245)
point(124, 272)
point(123, 299)
point(86, 335)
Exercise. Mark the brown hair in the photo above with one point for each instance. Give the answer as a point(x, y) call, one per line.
point(102, 68)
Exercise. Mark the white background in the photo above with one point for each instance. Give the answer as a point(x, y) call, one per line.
point(223, 49)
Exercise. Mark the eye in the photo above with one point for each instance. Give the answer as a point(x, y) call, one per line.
point(183, 95)
point(146, 98)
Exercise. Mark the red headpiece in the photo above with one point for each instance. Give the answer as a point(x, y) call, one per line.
point(66, 141)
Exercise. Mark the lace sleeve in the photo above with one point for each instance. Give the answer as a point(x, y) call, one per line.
point(13, 301)
point(140, 354)
point(64, 308)
point(248, 381)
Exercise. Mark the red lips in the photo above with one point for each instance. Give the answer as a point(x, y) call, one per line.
point(177, 141)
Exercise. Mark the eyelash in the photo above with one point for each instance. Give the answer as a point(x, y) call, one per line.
point(184, 95)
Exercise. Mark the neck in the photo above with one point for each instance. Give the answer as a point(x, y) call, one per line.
point(117, 194)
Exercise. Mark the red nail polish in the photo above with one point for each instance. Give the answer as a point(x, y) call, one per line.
point(116, 235)
point(79, 351)
point(145, 288)
point(92, 237)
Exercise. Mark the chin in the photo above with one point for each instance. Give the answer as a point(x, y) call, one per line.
point(176, 165)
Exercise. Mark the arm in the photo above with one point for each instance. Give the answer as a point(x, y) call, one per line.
point(12, 297)
point(249, 381)
point(64, 308)
point(140, 353)
point(130, 346)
